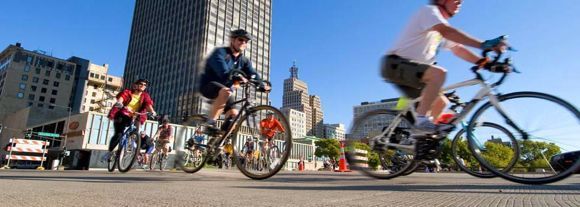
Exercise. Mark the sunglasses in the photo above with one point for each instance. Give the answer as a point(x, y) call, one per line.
point(244, 40)
point(141, 84)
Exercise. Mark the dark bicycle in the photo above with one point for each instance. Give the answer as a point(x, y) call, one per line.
point(246, 125)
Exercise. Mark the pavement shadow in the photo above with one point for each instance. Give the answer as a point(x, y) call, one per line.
point(438, 188)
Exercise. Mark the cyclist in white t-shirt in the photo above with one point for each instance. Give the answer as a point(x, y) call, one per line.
point(410, 63)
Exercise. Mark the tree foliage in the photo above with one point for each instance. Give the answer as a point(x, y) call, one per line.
point(327, 148)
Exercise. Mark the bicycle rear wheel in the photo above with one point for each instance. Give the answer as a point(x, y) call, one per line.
point(195, 154)
point(486, 131)
point(547, 130)
point(389, 126)
point(128, 152)
point(249, 128)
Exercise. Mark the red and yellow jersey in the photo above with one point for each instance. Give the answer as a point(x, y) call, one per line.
point(269, 127)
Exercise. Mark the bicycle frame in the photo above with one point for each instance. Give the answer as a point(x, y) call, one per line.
point(486, 92)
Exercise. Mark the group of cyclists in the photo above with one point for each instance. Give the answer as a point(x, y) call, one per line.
point(409, 65)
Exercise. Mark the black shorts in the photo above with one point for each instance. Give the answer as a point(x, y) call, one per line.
point(405, 74)
point(211, 91)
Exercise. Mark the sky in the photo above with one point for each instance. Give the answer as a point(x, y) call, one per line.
point(336, 44)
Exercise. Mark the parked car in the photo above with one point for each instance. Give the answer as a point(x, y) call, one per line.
point(564, 160)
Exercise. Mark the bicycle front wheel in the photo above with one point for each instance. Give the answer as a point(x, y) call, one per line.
point(484, 132)
point(248, 128)
point(112, 161)
point(128, 152)
point(546, 129)
point(391, 128)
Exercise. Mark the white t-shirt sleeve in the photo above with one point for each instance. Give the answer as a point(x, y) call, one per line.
point(429, 17)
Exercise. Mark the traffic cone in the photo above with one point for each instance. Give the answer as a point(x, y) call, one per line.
point(342, 161)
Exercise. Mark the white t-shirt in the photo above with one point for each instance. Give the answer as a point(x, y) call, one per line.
point(418, 42)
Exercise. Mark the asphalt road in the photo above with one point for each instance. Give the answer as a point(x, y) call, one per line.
point(211, 187)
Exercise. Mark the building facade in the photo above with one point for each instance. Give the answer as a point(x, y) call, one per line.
point(170, 38)
point(317, 117)
point(296, 97)
point(94, 88)
point(378, 122)
point(297, 121)
point(335, 131)
point(36, 80)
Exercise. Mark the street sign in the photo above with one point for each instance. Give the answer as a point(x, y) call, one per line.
point(46, 134)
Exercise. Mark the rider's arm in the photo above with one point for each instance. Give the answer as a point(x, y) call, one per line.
point(456, 35)
point(465, 54)
point(249, 69)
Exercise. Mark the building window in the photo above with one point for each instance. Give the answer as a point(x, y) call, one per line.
point(33, 88)
point(92, 75)
point(37, 70)
point(45, 82)
point(43, 90)
point(94, 94)
point(31, 97)
point(95, 86)
point(24, 77)
point(91, 108)
point(67, 77)
point(29, 103)
point(102, 77)
point(52, 100)
point(35, 79)
point(58, 75)
point(40, 105)
point(41, 98)
point(22, 86)
point(110, 79)
point(26, 68)
point(20, 95)
point(50, 106)
point(55, 84)
point(54, 92)
point(47, 73)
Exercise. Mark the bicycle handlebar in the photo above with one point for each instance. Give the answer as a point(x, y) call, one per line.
point(237, 75)
point(497, 59)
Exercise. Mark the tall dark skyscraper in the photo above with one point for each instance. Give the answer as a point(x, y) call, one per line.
point(170, 39)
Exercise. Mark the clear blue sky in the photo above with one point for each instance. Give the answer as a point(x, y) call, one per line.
point(336, 43)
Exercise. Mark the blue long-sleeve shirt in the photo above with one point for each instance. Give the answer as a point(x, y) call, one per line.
point(221, 62)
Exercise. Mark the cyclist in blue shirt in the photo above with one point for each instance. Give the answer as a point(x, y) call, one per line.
point(215, 83)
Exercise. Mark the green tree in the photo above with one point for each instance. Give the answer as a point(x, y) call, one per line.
point(327, 148)
point(533, 152)
point(497, 154)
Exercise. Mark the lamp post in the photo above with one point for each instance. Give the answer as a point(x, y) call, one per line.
point(65, 131)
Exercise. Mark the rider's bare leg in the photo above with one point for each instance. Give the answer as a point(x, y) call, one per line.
point(438, 106)
point(219, 103)
point(433, 78)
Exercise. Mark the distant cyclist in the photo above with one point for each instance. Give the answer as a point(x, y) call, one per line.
point(128, 102)
point(148, 145)
point(164, 134)
point(269, 127)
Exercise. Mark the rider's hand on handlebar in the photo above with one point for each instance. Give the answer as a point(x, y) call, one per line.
point(263, 87)
point(498, 67)
point(118, 105)
point(499, 44)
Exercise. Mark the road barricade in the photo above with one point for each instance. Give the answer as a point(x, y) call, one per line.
point(24, 149)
